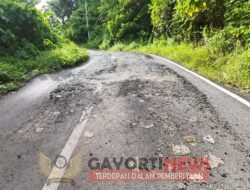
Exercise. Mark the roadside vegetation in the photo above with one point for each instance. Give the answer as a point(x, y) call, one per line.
point(211, 37)
point(14, 71)
point(29, 46)
point(231, 69)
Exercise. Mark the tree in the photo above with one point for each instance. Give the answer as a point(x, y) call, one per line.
point(238, 13)
point(162, 12)
point(237, 21)
point(126, 19)
point(29, 2)
point(192, 16)
point(62, 8)
point(22, 26)
point(77, 28)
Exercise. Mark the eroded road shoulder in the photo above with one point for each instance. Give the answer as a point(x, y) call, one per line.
point(140, 108)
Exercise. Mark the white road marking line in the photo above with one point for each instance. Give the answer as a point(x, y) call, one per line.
point(70, 146)
point(238, 98)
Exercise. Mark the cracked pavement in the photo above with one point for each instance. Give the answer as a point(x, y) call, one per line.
point(141, 108)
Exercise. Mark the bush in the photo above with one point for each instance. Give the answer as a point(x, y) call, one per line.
point(47, 44)
point(105, 43)
point(4, 77)
point(232, 69)
point(76, 28)
point(13, 71)
point(118, 47)
point(27, 50)
point(226, 40)
point(20, 26)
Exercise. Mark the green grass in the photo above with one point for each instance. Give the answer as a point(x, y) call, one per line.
point(231, 69)
point(14, 72)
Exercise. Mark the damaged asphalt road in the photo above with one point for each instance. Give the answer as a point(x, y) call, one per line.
point(140, 107)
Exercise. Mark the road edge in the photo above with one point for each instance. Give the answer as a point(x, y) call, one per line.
point(231, 94)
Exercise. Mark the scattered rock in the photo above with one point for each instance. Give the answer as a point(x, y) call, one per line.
point(148, 96)
point(161, 143)
point(56, 113)
point(158, 149)
point(181, 149)
point(149, 126)
point(20, 131)
point(39, 129)
point(224, 175)
point(215, 161)
point(88, 134)
point(160, 155)
point(181, 186)
point(193, 120)
point(71, 111)
point(171, 128)
point(141, 100)
point(209, 139)
point(190, 139)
